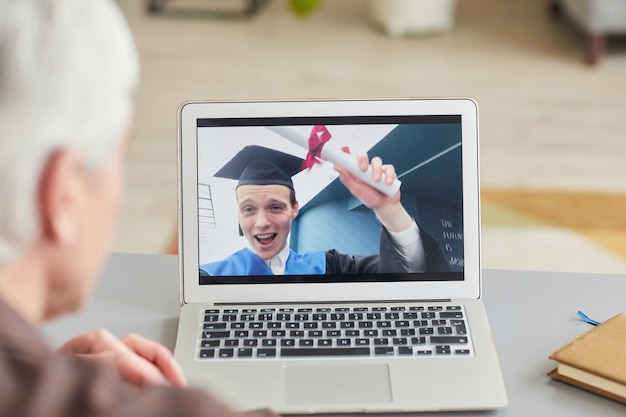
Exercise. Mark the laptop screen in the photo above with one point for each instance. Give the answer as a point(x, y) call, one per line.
point(305, 222)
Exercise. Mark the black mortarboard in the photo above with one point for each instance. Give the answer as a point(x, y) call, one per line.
point(258, 165)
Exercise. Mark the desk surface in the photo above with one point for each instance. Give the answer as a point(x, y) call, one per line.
point(531, 315)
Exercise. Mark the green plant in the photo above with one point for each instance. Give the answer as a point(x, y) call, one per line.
point(304, 7)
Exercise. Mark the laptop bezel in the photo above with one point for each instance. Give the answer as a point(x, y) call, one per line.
point(193, 292)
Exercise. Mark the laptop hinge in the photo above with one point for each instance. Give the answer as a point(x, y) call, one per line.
point(439, 300)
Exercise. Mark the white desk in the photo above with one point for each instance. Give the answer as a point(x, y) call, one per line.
point(531, 314)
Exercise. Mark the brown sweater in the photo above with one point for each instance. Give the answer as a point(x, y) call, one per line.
point(35, 381)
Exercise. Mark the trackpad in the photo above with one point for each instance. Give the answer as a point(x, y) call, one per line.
point(337, 384)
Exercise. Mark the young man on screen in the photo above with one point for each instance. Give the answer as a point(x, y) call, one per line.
point(267, 204)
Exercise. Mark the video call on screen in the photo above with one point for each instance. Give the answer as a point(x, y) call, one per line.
point(424, 150)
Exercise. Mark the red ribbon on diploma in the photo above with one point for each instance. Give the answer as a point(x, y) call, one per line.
point(318, 137)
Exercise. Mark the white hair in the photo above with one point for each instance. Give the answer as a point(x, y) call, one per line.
point(68, 70)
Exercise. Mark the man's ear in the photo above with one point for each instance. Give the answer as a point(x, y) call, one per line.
point(295, 210)
point(60, 196)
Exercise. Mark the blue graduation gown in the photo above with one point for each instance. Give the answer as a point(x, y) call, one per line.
point(246, 262)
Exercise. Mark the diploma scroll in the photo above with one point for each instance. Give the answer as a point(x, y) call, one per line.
point(336, 156)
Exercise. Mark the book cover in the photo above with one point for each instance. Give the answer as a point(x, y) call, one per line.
point(596, 360)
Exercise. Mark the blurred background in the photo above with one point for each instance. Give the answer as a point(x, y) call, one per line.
point(552, 126)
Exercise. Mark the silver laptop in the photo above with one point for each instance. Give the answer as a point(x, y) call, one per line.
point(293, 294)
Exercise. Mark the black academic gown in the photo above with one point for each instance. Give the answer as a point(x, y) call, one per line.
point(387, 261)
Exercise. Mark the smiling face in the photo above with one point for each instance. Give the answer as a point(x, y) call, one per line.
point(265, 215)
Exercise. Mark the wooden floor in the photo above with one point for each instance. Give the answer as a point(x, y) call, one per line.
point(600, 217)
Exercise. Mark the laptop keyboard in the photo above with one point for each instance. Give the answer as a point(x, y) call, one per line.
point(412, 330)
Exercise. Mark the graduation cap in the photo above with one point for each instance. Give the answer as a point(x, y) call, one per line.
point(258, 165)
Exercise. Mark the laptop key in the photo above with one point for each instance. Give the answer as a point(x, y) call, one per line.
point(214, 326)
point(226, 353)
point(215, 334)
point(210, 343)
point(400, 341)
point(451, 315)
point(459, 326)
point(288, 342)
point(353, 351)
point(384, 350)
point(405, 350)
point(306, 342)
point(444, 330)
point(244, 352)
point(448, 340)
point(211, 318)
point(443, 350)
point(266, 353)
point(207, 353)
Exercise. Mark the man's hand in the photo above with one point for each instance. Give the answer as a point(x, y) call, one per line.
point(388, 209)
point(136, 359)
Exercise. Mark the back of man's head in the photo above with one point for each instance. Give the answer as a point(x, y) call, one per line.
point(68, 69)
